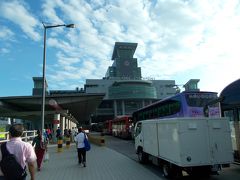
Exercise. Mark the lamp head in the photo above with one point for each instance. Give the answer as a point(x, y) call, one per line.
point(70, 25)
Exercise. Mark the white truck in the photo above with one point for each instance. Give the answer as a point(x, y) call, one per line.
point(198, 146)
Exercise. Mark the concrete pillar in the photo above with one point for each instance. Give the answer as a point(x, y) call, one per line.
point(56, 122)
point(68, 122)
point(9, 120)
point(65, 125)
point(115, 107)
point(143, 103)
point(62, 123)
point(123, 108)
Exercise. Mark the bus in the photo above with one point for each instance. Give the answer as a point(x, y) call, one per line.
point(97, 127)
point(184, 104)
point(122, 127)
point(107, 127)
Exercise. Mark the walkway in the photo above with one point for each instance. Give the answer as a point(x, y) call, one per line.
point(102, 164)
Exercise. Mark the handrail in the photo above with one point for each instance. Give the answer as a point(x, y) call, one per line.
point(27, 136)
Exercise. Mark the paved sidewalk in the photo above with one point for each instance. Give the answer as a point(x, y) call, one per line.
point(102, 164)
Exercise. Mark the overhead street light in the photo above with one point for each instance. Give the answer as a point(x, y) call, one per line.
point(44, 66)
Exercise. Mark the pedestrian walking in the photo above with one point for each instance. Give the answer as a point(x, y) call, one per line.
point(40, 148)
point(23, 152)
point(58, 132)
point(74, 133)
point(70, 134)
point(81, 147)
point(46, 136)
point(49, 134)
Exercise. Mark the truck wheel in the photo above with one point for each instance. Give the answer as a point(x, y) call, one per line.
point(171, 171)
point(166, 170)
point(142, 156)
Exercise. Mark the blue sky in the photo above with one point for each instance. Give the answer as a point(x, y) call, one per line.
point(177, 40)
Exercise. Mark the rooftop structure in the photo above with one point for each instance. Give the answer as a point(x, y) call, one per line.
point(192, 85)
point(123, 85)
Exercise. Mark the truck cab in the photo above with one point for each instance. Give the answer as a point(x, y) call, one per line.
point(138, 135)
point(139, 146)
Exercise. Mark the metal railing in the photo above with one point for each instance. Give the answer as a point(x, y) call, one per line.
point(27, 136)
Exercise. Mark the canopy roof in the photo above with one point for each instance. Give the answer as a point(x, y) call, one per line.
point(231, 93)
point(77, 107)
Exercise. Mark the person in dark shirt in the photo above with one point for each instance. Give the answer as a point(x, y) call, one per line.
point(58, 132)
point(40, 148)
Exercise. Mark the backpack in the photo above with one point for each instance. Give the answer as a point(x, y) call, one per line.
point(86, 143)
point(11, 169)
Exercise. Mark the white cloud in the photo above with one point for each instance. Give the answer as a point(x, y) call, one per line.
point(49, 12)
point(4, 50)
point(6, 33)
point(176, 39)
point(16, 12)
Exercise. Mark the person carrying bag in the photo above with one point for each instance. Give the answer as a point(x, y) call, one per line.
point(40, 148)
point(82, 146)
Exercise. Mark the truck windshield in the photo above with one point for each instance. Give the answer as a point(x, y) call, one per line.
point(138, 129)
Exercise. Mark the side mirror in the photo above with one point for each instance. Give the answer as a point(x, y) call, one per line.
point(134, 134)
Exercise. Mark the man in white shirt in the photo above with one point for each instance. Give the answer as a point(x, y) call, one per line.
point(79, 139)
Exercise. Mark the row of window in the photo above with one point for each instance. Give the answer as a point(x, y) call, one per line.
point(91, 85)
point(230, 114)
point(160, 110)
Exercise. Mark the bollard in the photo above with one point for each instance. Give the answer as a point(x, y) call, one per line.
point(102, 141)
point(60, 146)
point(99, 140)
point(67, 142)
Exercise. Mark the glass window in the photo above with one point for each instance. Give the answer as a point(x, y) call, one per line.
point(238, 110)
point(229, 114)
point(119, 107)
point(131, 106)
point(199, 99)
point(138, 129)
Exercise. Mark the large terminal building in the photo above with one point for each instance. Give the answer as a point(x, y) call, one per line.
point(124, 87)
point(122, 91)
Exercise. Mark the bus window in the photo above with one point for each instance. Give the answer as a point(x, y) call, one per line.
point(199, 99)
point(155, 115)
point(229, 114)
point(238, 115)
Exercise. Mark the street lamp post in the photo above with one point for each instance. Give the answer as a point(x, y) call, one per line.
point(44, 67)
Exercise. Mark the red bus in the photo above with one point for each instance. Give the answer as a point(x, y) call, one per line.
point(107, 127)
point(122, 127)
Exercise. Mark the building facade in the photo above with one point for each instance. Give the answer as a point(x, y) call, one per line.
point(123, 85)
point(230, 106)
